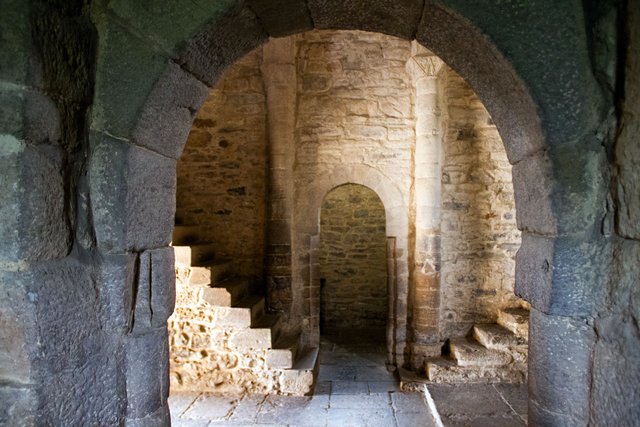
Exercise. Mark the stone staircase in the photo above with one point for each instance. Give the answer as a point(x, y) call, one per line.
point(222, 338)
point(492, 352)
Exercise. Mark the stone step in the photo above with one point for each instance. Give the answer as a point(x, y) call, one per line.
point(442, 370)
point(471, 353)
point(241, 315)
point(516, 320)
point(228, 292)
point(184, 235)
point(496, 337)
point(261, 336)
point(199, 254)
point(214, 272)
point(284, 352)
point(411, 381)
point(307, 360)
point(300, 380)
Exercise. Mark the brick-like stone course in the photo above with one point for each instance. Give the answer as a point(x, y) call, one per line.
point(222, 171)
point(353, 261)
point(479, 234)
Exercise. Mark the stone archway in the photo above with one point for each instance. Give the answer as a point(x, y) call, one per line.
point(529, 63)
point(550, 203)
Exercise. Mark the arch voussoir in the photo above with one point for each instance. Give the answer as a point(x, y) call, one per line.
point(165, 120)
point(223, 41)
point(393, 17)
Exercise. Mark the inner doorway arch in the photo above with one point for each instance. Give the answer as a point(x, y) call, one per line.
point(354, 294)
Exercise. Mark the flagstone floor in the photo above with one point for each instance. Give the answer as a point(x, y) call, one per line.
point(354, 389)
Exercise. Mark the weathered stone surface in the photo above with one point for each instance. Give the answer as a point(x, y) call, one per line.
point(127, 70)
point(147, 373)
point(447, 371)
point(33, 222)
point(469, 353)
point(29, 116)
point(163, 286)
point(549, 418)
point(556, 65)
point(465, 49)
point(563, 275)
point(516, 320)
point(222, 42)
point(580, 189)
point(132, 195)
point(168, 113)
point(116, 275)
point(616, 367)
point(496, 337)
point(18, 330)
point(560, 366)
point(282, 17)
point(76, 360)
point(627, 146)
point(297, 382)
point(168, 24)
point(19, 406)
point(142, 312)
point(533, 184)
point(18, 54)
point(223, 342)
point(155, 289)
point(15, 365)
point(397, 18)
point(159, 418)
point(476, 404)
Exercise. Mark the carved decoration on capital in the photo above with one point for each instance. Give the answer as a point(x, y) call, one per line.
point(424, 66)
point(423, 63)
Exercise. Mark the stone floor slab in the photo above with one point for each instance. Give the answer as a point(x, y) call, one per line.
point(409, 403)
point(322, 388)
point(246, 411)
point(383, 386)
point(210, 407)
point(373, 373)
point(179, 402)
point(336, 373)
point(360, 401)
point(516, 396)
point(464, 399)
point(344, 417)
point(181, 422)
point(411, 419)
point(349, 387)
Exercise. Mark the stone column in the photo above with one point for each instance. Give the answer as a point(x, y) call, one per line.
point(424, 68)
point(279, 74)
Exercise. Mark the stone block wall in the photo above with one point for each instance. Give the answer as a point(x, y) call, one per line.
point(354, 124)
point(222, 172)
point(354, 105)
point(353, 268)
point(479, 234)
